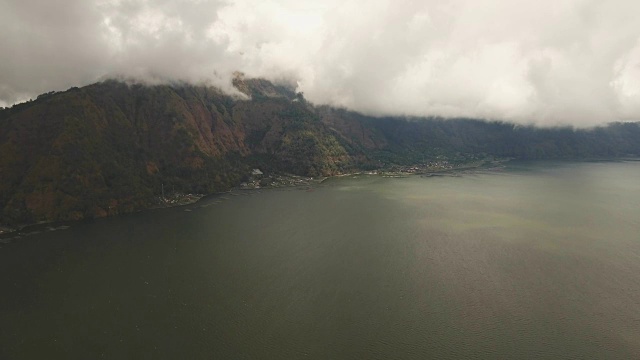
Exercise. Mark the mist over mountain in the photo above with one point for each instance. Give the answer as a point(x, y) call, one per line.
point(113, 147)
point(546, 62)
point(327, 179)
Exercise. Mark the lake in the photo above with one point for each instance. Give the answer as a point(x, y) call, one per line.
point(536, 260)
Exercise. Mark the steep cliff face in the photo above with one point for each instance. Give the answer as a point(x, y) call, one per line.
point(112, 147)
point(109, 147)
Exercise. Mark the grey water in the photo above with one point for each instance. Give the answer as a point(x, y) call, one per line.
point(534, 261)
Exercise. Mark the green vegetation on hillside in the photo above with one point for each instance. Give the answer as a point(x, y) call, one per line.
point(112, 147)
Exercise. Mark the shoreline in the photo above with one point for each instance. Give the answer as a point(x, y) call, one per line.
point(10, 233)
point(278, 181)
point(274, 181)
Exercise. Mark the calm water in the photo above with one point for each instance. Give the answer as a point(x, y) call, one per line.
point(538, 261)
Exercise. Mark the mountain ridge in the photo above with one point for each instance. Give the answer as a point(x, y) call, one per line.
point(111, 147)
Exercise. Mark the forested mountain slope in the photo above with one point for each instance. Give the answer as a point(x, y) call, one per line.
point(111, 147)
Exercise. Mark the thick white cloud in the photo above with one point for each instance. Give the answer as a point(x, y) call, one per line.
point(547, 61)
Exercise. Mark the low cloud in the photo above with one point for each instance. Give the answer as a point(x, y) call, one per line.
point(546, 62)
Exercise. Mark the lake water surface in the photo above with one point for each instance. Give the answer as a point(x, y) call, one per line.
point(536, 261)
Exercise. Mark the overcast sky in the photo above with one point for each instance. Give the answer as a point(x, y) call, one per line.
point(538, 61)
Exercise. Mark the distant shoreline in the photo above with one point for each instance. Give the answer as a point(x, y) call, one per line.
point(180, 199)
point(9, 233)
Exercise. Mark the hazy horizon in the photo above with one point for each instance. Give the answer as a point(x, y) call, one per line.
point(574, 63)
